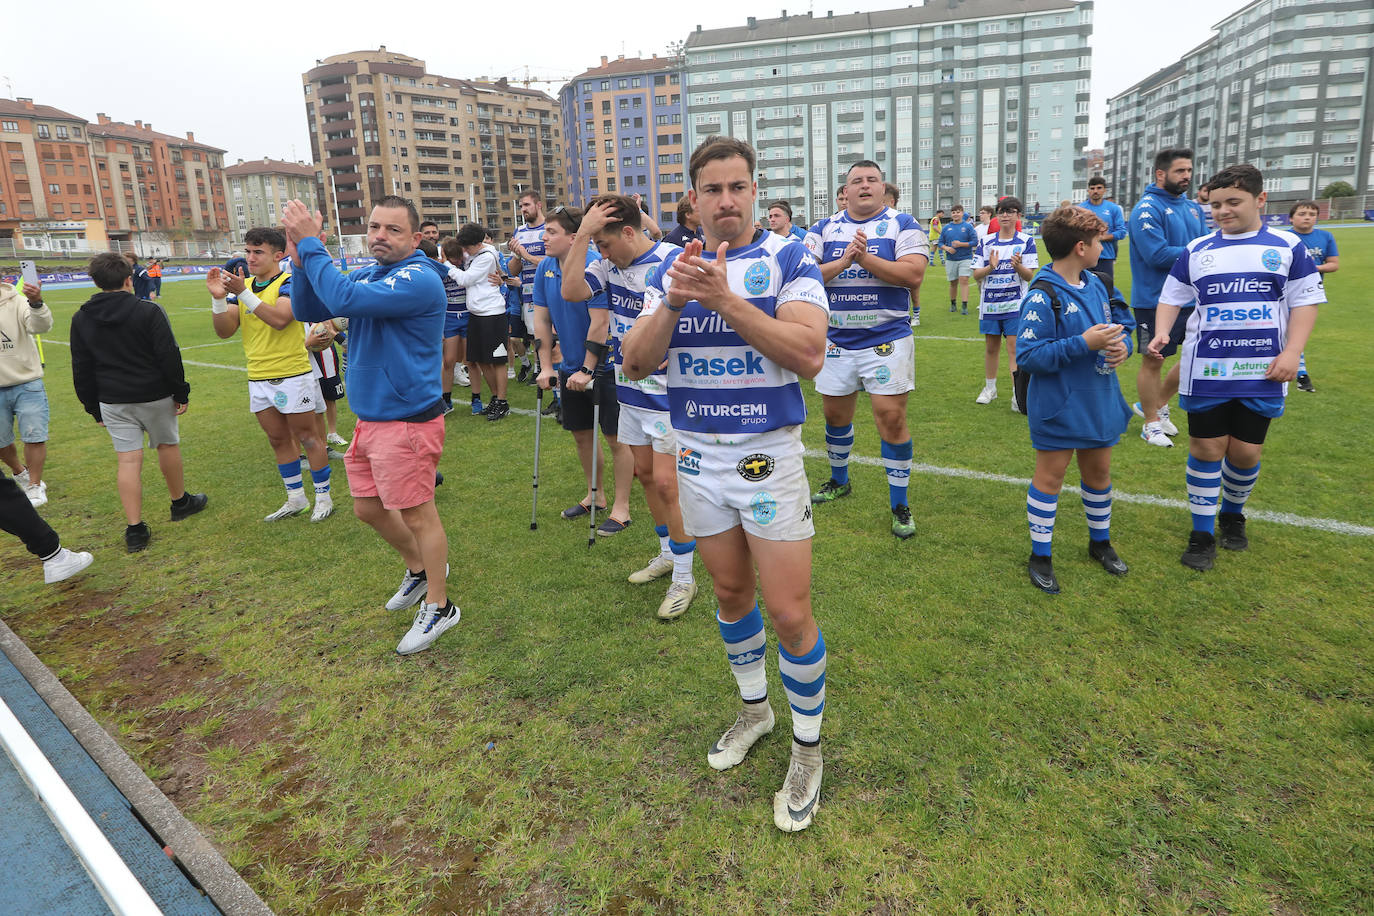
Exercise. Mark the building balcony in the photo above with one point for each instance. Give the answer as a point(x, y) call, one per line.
point(352, 197)
point(347, 214)
point(338, 162)
point(342, 145)
point(337, 107)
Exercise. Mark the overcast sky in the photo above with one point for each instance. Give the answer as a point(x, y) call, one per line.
point(200, 69)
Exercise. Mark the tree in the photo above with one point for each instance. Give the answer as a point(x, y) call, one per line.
point(1338, 189)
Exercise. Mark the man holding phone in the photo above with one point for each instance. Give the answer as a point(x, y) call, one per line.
point(22, 395)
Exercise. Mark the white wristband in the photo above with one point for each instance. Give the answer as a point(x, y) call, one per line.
point(219, 306)
point(249, 301)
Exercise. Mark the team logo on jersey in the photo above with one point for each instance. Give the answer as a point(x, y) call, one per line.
point(1206, 260)
point(691, 409)
point(883, 349)
point(756, 467)
point(1214, 343)
point(1071, 309)
point(1028, 334)
point(831, 350)
point(661, 428)
point(882, 229)
point(756, 278)
point(1032, 315)
point(883, 375)
point(688, 461)
point(764, 507)
point(280, 399)
point(1270, 259)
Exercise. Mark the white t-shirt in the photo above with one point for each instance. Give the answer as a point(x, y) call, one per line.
point(484, 299)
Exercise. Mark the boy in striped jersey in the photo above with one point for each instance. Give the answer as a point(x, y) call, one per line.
point(1003, 265)
point(871, 257)
point(1257, 291)
point(629, 258)
point(738, 320)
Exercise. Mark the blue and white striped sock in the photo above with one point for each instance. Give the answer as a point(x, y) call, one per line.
point(839, 442)
point(662, 532)
point(1040, 512)
point(1302, 366)
point(747, 647)
point(291, 476)
point(1097, 505)
point(1236, 485)
point(321, 480)
point(897, 460)
point(804, 680)
point(1204, 486)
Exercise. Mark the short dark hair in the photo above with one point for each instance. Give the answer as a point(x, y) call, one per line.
point(568, 218)
point(684, 206)
point(988, 208)
point(395, 200)
point(429, 222)
point(891, 189)
point(718, 147)
point(1010, 204)
point(1165, 157)
point(624, 210)
point(265, 235)
point(782, 205)
point(1303, 205)
point(1097, 180)
point(452, 249)
point(863, 164)
point(841, 189)
point(428, 247)
point(472, 234)
point(1243, 175)
point(110, 270)
point(1063, 229)
point(959, 207)
point(532, 194)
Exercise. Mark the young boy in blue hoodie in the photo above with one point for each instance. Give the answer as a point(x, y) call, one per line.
point(1072, 335)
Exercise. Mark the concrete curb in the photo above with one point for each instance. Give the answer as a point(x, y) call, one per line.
point(206, 866)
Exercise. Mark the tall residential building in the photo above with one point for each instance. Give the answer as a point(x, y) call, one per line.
point(959, 102)
point(623, 122)
point(159, 187)
point(1282, 85)
point(48, 200)
point(259, 189)
point(463, 150)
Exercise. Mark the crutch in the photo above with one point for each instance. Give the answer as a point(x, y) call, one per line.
point(538, 415)
point(596, 452)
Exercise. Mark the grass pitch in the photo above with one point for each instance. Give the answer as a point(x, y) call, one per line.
point(1166, 743)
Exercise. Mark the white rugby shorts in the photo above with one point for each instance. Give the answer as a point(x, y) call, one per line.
point(641, 426)
point(888, 368)
point(759, 484)
point(296, 394)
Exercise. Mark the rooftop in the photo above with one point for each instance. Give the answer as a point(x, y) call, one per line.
point(265, 166)
point(27, 109)
point(104, 127)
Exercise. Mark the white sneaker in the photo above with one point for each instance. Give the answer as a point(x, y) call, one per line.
point(430, 623)
point(336, 439)
point(411, 591)
point(22, 478)
point(749, 727)
point(293, 506)
point(1164, 424)
point(460, 376)
point(510, 371)
point(986, 396)
point(65, 564)
point(37, 493)
point(1136, 409)
point(324, 507)
point(659, 566)
point(795, 804)
point(679, 598)
point(915, 322)
point(1153, 434)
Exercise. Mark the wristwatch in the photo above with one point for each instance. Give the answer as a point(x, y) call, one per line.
point(583, 369)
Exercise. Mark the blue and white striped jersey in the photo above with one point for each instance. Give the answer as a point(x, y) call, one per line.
point(865, 311)
point(626, 290)
point(719, 385)
point(1003, 289)
point(1245, 285)
point(532, 237)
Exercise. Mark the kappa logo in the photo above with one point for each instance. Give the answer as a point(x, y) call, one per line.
point(747, 658)
point(1071, 309)
point(755, 467)
point(1028, 334)
point(764, 507)
point(1041, 529)
point(756, 278)
point(1168, 210)
point(1270, 259)
point(806, 513)
point(883, 349)
point(688, 461)
point(1032, 315)
point(1201, 501)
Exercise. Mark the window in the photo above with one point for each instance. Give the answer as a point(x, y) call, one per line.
point(10, 127)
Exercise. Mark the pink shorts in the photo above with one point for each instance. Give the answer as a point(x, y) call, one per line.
point(395, 461)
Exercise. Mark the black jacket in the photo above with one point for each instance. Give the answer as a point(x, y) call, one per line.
point(123, 352)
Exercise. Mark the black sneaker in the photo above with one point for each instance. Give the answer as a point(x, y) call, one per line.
point(524, 374)
point(1042, 574)
point(953, 308)
point(1201, 552)
point(1304, 384)
point(498, 410)
point(194, 503)
point(1232, 526)
point(552, 407)
point(136, 537)
point(1104, 553)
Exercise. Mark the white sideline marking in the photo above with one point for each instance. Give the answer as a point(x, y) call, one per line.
point(938, 337)
point(218, 343)
point(188, 362)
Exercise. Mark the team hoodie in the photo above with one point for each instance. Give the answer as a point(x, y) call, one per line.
point(1161, 225)
point(124, 352)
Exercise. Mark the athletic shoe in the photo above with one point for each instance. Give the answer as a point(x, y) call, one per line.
point(430, 623)
point(1153, 433)
point(966, 310)
point(915, 322)
point(795, 804)
point(1104, 553)
point(1232, 525)
point(37, 493)
point(1042, 574)
point(497, 410)
point(448, 409)
point(334, 455)
point(64, 564)
point(754, 721)
point(1304, 384)
point(659, 566)
point(336, 439)
point(986, 396)
point(830, 491)
point(902, 524)
point(136, 537)
point(1164, 424)
point(1201, 552)
point(194, 504)
point(460, 376)
point(22, 478)
point(552, 407)
point(477, 408)
point(953, 308)
point(324, 507)
point(412, 590)
point(610, 527)
point(293, 506)
point(1136, 409)
point(510, 371)
point(524, 374)
point(680, 596)
point(438, 478)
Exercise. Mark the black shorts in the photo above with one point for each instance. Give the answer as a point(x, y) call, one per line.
point(1145, 330)
point(331, 382)
point(518, 330)
point(1232, 419)
point(486, 335)
point(577, 405)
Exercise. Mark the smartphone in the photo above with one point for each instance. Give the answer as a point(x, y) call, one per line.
point(30, 272)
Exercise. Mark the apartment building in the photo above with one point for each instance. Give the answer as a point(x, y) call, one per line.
point(258, 191)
